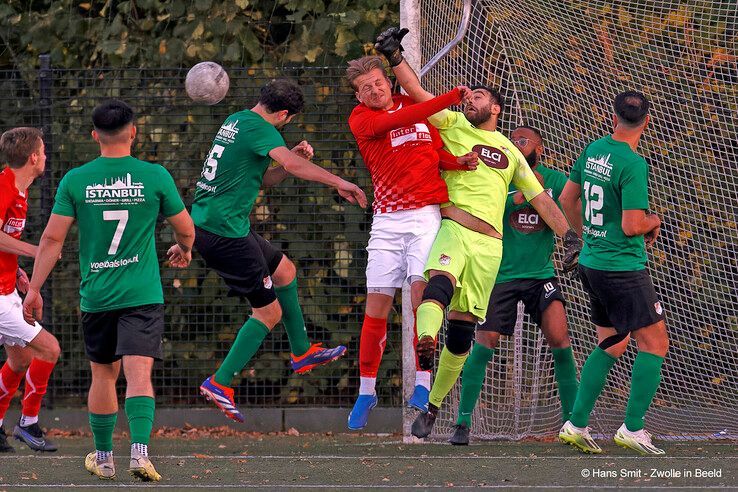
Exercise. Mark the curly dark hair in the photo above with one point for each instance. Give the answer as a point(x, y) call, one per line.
point(281, 94)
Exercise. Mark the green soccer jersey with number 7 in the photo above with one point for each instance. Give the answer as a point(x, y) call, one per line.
point(117, 202)
point(612, 178)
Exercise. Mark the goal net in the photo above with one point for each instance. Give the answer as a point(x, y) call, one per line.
point(559, 65)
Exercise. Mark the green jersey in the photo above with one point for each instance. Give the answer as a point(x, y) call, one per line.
point(613, 178)
point(483, 192)
point(233, 172)
point(117, 202)
point(527, 241)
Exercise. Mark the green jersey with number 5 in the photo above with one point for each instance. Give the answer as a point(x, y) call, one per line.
point(117, 202)
point(233, 173)
point(612, 178)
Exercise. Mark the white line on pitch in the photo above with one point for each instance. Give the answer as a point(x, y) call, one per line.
point(382, 457)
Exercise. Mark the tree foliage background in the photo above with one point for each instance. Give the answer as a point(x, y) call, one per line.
point(154, 33)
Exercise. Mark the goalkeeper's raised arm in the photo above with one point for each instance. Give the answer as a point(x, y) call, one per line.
point(389, 44)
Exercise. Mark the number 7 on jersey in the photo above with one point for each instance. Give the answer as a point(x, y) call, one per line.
point(122, 217)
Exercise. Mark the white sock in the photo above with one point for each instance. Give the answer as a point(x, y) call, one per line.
point(26, 421)
point(103, 455)
point(422, 378)
point(1, 422)
point(143, 449)
point(366, 387)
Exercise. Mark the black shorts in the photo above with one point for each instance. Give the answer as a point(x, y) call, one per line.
point(625, 301)
point(536, 294)
point(245, 263)
point(109, 335)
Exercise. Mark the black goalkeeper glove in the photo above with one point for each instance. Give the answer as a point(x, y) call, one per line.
point(389, 43)
point(572, 248)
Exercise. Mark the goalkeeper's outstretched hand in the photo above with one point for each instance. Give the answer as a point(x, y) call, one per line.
point(389, 44)
point(572, 248)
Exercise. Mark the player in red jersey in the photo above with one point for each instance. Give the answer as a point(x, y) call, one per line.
point(32, 351)
point(399, 147)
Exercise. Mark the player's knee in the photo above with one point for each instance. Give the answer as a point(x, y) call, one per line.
point(269, 314)
point(613, 344)
point(48, 348)
point(286, 272)
point(460, 336)
point(488, 339)
point(439, 289)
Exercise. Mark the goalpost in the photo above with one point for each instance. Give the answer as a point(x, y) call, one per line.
point(559, 65)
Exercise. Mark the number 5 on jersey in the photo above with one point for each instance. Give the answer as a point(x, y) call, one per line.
point(211, 163)
point(594, 198)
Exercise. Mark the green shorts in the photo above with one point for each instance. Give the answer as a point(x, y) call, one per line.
point(473, 259)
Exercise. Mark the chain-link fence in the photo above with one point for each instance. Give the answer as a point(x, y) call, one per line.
point(322, 234)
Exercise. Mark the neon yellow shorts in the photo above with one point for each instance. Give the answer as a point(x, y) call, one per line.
point(473, 259)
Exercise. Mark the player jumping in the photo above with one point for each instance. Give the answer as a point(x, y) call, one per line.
point(236, 168)
point(399, 147)
point(612, 181)
point(526, 274)
point(465, 257)
point(32, 351)
point(116, 200)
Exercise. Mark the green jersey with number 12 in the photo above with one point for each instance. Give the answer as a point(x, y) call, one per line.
point(612, 178)
point(233, 173)
point(117, 202)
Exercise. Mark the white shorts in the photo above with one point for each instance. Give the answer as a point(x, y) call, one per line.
point(399, 245)
point(13, 328)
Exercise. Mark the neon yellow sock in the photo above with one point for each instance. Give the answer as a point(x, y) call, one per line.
point(449, 368)
point(429, 319)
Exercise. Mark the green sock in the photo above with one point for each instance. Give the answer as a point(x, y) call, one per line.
point(429, 319)
point(472, 378)
point(591, 382)
point(292, 318)
point(140, 411)
point(644, 383)
point(248, 341)
point(565, 372)
point(102, 426)
point(449, 368)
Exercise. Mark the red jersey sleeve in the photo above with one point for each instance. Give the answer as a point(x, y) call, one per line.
point(370, 123)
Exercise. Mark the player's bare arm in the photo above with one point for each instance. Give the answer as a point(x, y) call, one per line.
point(49, 251)
point(276, 174)
point(15, 246)
point(638, 222)
point(554, 217)
point(304, 169)
point(22, 281)
point(570, 200)
point(180, 254)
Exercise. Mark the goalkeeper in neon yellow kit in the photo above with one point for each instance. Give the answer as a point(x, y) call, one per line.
point(465, 257)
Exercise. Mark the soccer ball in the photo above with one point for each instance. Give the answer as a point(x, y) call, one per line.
point(207, 83)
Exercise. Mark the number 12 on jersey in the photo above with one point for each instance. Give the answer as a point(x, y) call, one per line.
point(594, 198)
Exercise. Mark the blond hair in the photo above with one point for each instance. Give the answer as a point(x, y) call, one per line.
point(362, 66)
point(17, 145)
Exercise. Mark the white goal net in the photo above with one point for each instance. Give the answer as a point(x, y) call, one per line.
point(559, 65)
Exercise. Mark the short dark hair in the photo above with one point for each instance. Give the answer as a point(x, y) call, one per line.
point(281, 94)
point(494, 93)
point(631, 107)
point(17, 145)
point(111, 116)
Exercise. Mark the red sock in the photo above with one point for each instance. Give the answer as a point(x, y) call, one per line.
point(415, 340)
point(371, 345)
point(9, 382)
point(37, 378)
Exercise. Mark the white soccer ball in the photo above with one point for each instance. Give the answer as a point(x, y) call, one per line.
point(207, 82)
